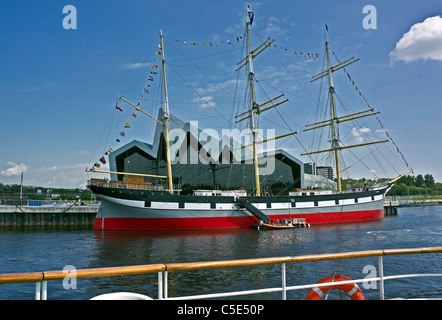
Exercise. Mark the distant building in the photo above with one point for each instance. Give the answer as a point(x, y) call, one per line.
point(326, 172)
point(310, 168)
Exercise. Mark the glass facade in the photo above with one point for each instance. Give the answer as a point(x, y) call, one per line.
point(284, 176)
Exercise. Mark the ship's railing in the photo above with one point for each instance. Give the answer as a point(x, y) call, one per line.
point(41, 278)
point(122, 185)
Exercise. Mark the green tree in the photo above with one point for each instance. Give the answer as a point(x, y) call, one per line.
point(429, 180)
point(419, 181)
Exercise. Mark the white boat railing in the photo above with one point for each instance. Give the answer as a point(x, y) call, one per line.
point(41, 278)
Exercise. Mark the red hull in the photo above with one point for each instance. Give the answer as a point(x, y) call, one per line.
point(230, 222)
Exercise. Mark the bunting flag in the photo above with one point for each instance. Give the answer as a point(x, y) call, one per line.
point(102, 160)
point(250, 15)
point(159, 53)
point(133, 115)
point(117, 107)
point(122, 134)
point(306, 55)
point(211, 43)
point(154, 67)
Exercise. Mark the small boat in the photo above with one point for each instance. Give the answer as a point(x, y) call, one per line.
point(283, 224)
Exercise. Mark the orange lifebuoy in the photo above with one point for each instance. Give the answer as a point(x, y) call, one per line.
point(352, 289)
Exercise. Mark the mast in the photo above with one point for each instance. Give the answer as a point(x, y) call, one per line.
point(334, 122)
point(254, 124)
point(166, 117)
point(256, 108)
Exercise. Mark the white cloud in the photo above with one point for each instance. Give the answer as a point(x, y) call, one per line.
point(423, 41)
point(215, 87)
point(136, 65)
point(60, 176)
point(14, 170)
point(358, 133)
point(273, 27)
point(205, 102)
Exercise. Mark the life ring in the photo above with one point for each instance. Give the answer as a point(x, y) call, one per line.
point(352, 289)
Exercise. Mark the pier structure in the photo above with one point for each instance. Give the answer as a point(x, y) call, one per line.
point(47, 216)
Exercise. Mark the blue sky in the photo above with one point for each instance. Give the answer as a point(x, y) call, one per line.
point(58, 87)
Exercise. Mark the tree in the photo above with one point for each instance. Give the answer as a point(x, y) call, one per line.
point(419, 181)
point(429, 180)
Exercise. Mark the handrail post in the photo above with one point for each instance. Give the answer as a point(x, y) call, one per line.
point(160, 285)
point(381, 281)
point(165, 284)
point(44, 290)
point(284, 291)
point(37, 290)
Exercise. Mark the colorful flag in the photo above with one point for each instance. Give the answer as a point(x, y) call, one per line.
point(110, 150)
point(133, 115)
point(122, 134)
point(250, 14)
point(103, 161)
point(148, 85)
point(154, 67)
point(117, 107)
point(159, 53)
point(150, 78)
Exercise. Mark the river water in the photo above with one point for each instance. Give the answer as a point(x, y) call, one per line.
point(43, 249)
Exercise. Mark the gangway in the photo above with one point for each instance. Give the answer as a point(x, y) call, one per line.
point(254, 210)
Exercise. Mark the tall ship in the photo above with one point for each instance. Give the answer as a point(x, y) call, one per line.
point(165, 191)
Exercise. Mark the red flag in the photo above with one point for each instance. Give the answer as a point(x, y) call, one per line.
point(117, 107)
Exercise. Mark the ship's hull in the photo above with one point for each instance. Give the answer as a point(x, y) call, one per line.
point(135, 209)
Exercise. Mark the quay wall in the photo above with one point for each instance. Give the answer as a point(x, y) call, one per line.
point(45, 216)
